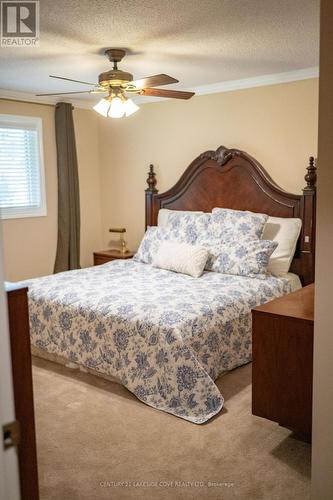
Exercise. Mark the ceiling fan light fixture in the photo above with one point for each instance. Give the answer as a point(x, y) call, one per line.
point(102, 107)
point(130, 107)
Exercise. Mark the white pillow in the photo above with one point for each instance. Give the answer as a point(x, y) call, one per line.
point(163, 215)
point(286, 232)
point(181, 258)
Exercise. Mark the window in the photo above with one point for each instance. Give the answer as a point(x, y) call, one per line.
point(22, 184)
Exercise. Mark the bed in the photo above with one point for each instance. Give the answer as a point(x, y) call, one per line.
point(167, 336)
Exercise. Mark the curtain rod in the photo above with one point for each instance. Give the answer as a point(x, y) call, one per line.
point(30, 102)
point(26, 102)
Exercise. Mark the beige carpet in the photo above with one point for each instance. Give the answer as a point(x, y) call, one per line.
point(93, 434)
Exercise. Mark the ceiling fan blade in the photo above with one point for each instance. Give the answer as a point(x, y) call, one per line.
point(71, 80)
point(174, 94)
point(154, 81)
point(67, 93)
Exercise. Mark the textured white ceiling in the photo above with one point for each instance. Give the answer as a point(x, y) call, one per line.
point(198, 42)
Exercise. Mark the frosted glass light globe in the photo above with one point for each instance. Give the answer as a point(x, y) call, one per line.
point(117, 108)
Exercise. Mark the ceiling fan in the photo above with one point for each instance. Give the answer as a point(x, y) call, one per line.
point(118, 84)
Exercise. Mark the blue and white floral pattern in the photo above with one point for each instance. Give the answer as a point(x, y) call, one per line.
point(244, 258)
point(165, 336)
point(183, 228)
point(150, 244)
point(186, 227)
point(231, 225)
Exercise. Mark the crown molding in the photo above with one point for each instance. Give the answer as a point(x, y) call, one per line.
point(211, 88)
point(247, 83)
point(258, 81)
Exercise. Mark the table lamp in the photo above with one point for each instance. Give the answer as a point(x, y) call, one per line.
point(120, 231)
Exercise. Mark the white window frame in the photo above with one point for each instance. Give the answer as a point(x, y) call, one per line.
point(41, 211)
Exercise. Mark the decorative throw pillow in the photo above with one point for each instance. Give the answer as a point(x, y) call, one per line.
point(150, 244)
point(181, 258)
point(244, 258)
point(184, 231)
point(227, 224)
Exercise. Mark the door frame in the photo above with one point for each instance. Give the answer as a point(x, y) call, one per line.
point(9, 471)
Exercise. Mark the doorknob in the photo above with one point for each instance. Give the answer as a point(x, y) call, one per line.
point(11, 434)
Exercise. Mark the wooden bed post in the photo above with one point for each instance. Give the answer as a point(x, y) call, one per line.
point(308, 214)
point(150, 192)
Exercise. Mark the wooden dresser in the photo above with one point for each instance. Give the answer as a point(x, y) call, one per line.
point(104, 256)
point(282, 333)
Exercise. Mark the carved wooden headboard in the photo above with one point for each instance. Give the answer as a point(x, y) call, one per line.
point(230, 178)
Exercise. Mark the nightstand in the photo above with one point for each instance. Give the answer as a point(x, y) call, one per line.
point(282, 332)
point(105, 256)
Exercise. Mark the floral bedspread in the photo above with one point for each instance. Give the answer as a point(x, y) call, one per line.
point(165, 336)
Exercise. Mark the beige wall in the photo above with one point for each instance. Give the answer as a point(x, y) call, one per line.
point(322, 451)
point(276, 124)
point(30, 243)
point(87, 144)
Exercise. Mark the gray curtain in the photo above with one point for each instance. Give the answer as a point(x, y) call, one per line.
point(68, 247)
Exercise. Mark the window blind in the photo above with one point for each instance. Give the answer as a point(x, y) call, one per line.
point(21, 176)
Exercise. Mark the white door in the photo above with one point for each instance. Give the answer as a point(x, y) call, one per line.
point(9, 474)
